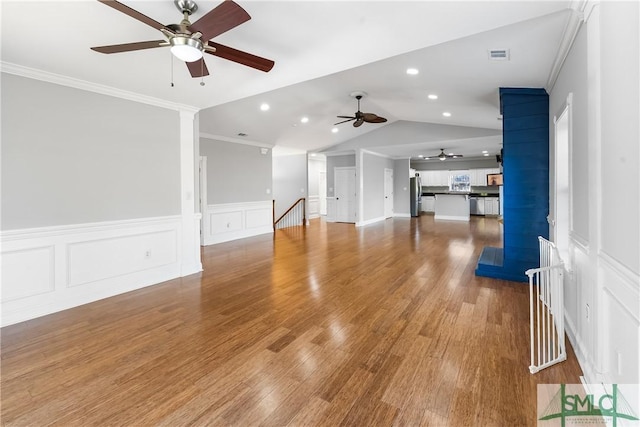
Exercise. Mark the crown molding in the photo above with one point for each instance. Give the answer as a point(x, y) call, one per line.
point(574, 22)
point(45, 76)
point(234, 140)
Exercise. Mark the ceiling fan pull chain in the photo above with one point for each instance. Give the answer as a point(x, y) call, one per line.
point(202, 72)
point(171, 70)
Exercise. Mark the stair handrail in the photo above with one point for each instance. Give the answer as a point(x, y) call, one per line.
point(304, 217)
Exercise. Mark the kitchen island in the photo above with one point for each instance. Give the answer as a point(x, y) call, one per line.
point(452, 206)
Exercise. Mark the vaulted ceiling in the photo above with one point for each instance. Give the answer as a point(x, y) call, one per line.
point(323, 51)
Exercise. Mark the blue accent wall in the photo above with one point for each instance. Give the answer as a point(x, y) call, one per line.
point(525, 121)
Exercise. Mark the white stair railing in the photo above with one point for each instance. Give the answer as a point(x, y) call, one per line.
point(546, 309)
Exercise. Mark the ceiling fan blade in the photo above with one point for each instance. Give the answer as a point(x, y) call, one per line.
point(377, 119)
point(127, 47)
point(225, 16)
point(345, 121)
point(346, 117)
point(358, 123)
point(369, 116)
point(241, 57)
point(198, 68)
point(132, 13)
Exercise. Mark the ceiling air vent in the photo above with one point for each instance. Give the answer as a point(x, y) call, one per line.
point(499, 54)
point(242, 134)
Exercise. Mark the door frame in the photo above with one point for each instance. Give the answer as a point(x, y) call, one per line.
point(204, 223)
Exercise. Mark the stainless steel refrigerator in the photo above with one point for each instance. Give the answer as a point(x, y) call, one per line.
point(415, 194)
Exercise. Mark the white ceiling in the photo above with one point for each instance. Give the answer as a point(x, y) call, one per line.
point(323, 50)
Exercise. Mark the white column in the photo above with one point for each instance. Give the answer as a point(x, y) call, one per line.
point(190, 248)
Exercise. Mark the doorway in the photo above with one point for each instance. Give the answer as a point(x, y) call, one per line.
point(345, 192)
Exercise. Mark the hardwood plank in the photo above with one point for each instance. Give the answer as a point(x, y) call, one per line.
point(321, 325)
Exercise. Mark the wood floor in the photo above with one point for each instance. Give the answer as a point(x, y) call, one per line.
point(324, 326)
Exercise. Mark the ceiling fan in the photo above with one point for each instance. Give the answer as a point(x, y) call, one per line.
point(189, 41)
point(361, 117)
point(442, 156)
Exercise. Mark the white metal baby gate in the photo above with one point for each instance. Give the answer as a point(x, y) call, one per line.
point(546, 309)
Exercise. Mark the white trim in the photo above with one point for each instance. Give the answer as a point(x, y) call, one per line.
point(630, 277)
point(451, 217)
point(568, 37)
point(401, 215)
point(61, 230)
point(377, 154)
point(190, 242)
point(579, 242)
point(235, 140)
point(58, 79)
point(77, 264)
point(339, 153)
point(371, 221)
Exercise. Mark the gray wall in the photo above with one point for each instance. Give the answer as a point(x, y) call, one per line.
point(573, 79)
point(70, 156)
point(373, 185)
point(289, 180)
point(401, 199)
point(337, 162)
point(236, 173)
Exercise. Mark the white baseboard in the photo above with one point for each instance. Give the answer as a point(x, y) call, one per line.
point(370, 221)
point(49, 269)
point(232, 221)
point(452, 217)
point(402, 215)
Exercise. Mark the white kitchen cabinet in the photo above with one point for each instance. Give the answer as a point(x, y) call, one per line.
point(492, 206)
point(480, 208)
point(428, 204)
point(443, 178)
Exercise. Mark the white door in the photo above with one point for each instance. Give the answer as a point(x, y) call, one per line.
point(388, 193)
point(322, 191)
point(345, 190)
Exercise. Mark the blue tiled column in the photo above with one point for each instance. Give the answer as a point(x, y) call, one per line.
point(525, 121)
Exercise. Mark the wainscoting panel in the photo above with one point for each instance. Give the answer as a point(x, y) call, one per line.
point(580, 326)
point(619, 321)
point(33, 281)
point(314, 207)
point(231, 221)
point(49, 269)
point(100, 259)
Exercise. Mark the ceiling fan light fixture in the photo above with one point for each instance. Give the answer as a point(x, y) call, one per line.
point(186, 48)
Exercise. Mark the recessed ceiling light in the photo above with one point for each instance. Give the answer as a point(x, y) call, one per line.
point(421, 156)
point(313, 154)
point(265, 107)
point(451, 154)
point(486, 154)
point(446, 114)
point(484, 151)
point(304, 120)
point(412, 71)
point(432, 96)
point(427, 158)
point(335, 130)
